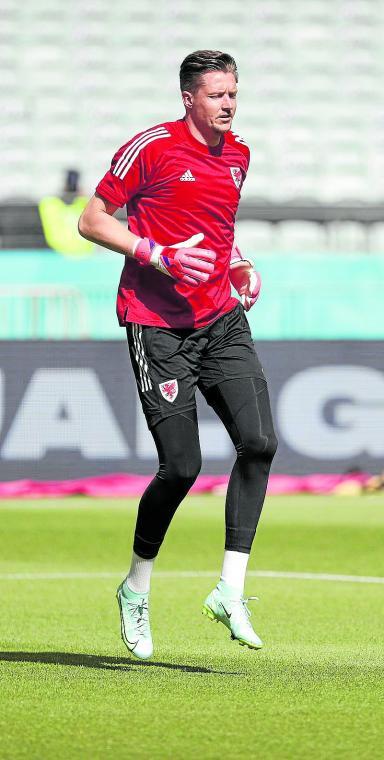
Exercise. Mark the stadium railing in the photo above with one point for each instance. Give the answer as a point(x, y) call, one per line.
point(43, 312)
point(324, 296)
point(309, 292)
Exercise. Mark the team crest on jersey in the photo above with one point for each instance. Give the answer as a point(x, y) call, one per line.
point(169, 390)
point(237, 176)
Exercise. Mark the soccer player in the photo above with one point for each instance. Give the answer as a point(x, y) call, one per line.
point(181, 184)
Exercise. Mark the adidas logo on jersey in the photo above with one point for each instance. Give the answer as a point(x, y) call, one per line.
point(187, 177)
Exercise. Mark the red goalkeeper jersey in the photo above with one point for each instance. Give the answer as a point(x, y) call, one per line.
point(175, 186)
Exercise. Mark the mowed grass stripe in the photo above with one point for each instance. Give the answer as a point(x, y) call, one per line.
point(70, 691)
point(182, 574)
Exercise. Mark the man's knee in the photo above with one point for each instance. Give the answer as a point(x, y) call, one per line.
point(178, 446)
point(256, 446)
point(272, 445)
point(182, 468)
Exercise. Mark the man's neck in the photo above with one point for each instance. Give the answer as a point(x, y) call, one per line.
point(210, 138)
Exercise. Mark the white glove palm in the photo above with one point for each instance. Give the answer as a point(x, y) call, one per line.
point(244, 278)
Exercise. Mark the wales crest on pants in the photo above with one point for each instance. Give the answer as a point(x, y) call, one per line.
point(169, 390)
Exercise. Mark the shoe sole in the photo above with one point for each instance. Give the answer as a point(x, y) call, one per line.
point(243, 643)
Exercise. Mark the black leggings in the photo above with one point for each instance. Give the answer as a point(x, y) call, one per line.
point(243, 406)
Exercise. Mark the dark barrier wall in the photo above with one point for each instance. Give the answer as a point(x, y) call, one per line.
point(69, 409)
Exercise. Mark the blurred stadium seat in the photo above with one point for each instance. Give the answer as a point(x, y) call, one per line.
point(78, 79)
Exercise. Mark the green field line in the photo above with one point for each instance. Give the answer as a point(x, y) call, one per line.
point(182, 574)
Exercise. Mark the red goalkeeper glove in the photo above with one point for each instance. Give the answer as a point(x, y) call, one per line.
point(244, 278)
point(181, 261)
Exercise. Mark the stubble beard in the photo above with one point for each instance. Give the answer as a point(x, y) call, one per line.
point(222, 128)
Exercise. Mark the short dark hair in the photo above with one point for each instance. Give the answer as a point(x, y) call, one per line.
point(198, 63)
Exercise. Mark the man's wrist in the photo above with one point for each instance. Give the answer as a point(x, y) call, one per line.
point(142, 250)
point(135, 245)
point(147, 252)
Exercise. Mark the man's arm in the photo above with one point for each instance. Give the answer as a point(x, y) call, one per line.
point(181, 261)
point(98, 225)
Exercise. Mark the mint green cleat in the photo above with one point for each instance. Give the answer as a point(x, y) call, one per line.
point(232, 611)
point(134, 617)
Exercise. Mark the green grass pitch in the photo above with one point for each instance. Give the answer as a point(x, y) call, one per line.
point(69, 688)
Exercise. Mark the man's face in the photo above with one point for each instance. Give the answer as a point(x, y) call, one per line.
point(213, 104)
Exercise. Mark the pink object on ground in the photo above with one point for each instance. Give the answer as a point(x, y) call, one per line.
point(314, 483)
point(121, 485)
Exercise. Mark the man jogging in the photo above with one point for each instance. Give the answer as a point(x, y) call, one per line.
point(181, 184)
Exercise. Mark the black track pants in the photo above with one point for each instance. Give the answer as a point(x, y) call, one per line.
point(244, 408)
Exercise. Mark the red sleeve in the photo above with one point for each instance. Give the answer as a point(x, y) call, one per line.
point(248, 157)
point(125, 178)
point(242, 147)
point(131, 166)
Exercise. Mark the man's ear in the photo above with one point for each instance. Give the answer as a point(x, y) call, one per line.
point(187, 98)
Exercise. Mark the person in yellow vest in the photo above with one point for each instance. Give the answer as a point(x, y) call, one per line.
point(59, 217)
